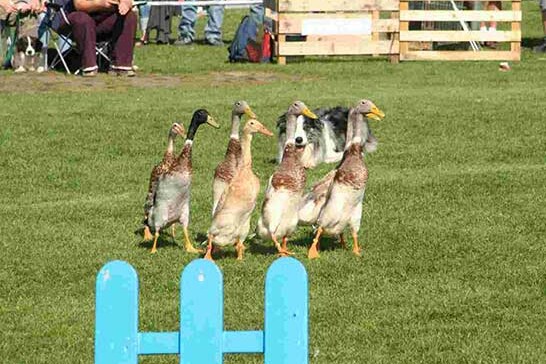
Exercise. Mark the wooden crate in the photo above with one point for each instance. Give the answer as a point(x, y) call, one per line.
point(509, 22)
point(334, 27)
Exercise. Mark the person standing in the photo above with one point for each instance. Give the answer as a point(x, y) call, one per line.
point(213, 29)
point(541, 48)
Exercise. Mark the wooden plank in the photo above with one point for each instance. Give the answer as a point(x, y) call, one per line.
point(516, 27)
point(336, 5)
point(395, 58)
point(286, 316)
point(338, 38)
point(465, 15)
point(459, 36)
point(338, 48)
point(375, 35)
point(459, 56)
point(404, 26)
point(292, 23)
point(281, 39)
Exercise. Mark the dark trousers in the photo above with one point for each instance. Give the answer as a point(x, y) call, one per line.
point(87, 28)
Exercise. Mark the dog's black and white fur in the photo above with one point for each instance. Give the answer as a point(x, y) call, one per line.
point(28, 54)
point(324, 138)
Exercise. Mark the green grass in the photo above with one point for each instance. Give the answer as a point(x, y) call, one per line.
point(453, 225)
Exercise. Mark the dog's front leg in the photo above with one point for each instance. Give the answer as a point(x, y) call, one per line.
point(21, 66)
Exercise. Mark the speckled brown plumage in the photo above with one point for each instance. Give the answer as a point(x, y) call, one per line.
point(352, 170)
point(291, 173)
point(227, 168)
point(183, 162)
point(163, 167)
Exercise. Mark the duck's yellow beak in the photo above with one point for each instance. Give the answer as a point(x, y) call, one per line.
point(249, 113)
point(309, 113)
point(263, 130)
point(375, 114)
point(212, 122)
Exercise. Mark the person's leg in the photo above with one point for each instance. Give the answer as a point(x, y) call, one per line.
point(187, 23)
point(84, 34)
point(123, 30)
point(493, 6)
point(144, 12)
point(213, 29)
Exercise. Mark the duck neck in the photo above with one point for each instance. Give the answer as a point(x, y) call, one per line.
point(246, 142)
point(291, 124)
point(357, 120)
point(235, 122)
point(350, 126)
point(191, 131)
point(170, 144)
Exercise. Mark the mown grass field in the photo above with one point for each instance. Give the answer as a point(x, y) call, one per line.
point(453, 230)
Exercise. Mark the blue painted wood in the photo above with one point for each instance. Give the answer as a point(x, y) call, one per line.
point(116, 314)
point(286, 313)
point(150, 343)
point(201, 338)
point(243, 342)
point(201, 313)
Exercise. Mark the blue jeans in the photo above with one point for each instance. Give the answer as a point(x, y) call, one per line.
point(213, 29)
point(144, 11)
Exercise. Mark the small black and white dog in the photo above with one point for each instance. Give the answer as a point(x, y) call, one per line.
point(28, 55)
point(324, 138)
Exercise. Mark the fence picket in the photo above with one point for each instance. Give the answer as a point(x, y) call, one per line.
point(201, 337)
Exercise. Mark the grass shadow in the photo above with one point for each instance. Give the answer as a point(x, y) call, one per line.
point(531, 42)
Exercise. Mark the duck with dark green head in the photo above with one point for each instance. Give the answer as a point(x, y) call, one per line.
point(171, 198)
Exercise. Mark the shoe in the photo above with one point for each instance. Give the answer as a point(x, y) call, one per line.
point(183, 41)
point(122, 71)
point(90, 72)
point(541, 48)
point(215, 42)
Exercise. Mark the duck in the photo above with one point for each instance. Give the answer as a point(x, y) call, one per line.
point(343, 203)
point(231, 220)
point(279, 216)
point(171, 195)
point(225, 170)
point(314, 200)
point(161, 169)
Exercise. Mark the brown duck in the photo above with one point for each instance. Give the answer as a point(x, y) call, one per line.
point(225, 171)
point(279, 216)
point(343, 203)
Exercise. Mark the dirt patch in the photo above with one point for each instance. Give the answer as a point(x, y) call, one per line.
point(55, 82)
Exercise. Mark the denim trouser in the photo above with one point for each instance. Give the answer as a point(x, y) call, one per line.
point(144, 11)
point(213, 29)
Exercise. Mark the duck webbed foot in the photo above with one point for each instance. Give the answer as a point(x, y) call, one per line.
point(147, 233)
point(188, 245)
point(154, 247)
point(282, 251)
point(240, 247)
point(313, 250)
point(208, 254)
point(356, 249)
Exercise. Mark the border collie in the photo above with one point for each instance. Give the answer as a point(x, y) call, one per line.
point(323, 140)
point(28, 55)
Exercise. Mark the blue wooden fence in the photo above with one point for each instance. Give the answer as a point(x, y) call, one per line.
point(202, 338)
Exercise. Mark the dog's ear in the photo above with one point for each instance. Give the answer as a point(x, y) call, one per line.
point(21, 44)
point(38, 45)
point(281, 124)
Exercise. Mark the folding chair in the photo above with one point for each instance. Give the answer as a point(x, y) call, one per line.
point(102, 48)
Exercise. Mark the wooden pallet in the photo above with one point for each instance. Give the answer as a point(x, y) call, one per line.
point(508, 25)
point(334, 27)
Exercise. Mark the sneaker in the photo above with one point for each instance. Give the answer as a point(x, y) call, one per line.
point(90, 72)
point(122, 71)
point(183, 41)
point(215, 42)
point(541, 48)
